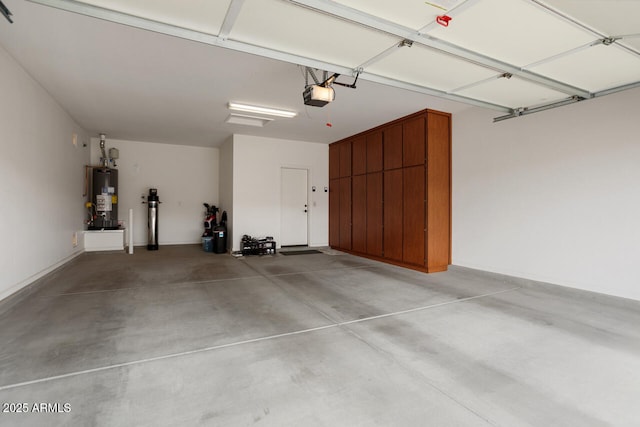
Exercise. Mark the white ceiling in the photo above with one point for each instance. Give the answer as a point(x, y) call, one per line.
point(113, 76)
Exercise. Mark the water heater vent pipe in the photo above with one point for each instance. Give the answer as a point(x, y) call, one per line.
point(105, 159)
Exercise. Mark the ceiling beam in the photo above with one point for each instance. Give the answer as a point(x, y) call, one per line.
point(309, 62)
point(571, 100)
point(356, 16)
point(434, 92)
point(536, 109)
point(384, 54)
point(184, 33)
point(230, 18)
point(563, 54)
point(478, 83)
point(408, 43)
point(563, 16)
point(622, 88)
point(602, 38)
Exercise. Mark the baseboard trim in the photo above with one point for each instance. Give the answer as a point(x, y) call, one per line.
point(16, 293)
point(422, 268)
point(559, 289)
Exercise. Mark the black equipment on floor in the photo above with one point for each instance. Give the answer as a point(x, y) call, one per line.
point(220, 235)
point(214, 238)
point(258, 246)
point(152, 224)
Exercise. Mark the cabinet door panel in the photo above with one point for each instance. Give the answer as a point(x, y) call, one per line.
point(334, 161)
point(374, 214)
point(392, 147)
point(374, 152)
point(393, 214)
point(413, 141)
point(334, 213)
point(359, 156)
point(345, 159)
point(438, 191)
point(413, 218)
point(345, 213)
point(359, 214)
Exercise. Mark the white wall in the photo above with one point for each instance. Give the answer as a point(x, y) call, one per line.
point(257, 164)
point(553, 196)
point(226, 186)
point(41, 180)
point(186, 177)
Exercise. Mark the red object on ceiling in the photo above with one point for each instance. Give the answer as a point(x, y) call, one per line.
point(443, 20)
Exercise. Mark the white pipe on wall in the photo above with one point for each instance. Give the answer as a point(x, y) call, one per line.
point(130, 231)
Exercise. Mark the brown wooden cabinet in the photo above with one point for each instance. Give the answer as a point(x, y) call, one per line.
point(438, 191)
point(392, 233)
point(390, 192)
point(413, 215)
point(359, 155)
point(345, 213)
point(340, 212)
point(334, 212)
point(413, 141)
point(374, 151)
point(374, 214)
point(392, 146)
point(359, 213)
point(345, 159)
point(334, 161)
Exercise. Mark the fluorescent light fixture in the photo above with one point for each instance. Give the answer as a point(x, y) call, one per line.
point(261, 110)
point(241, 119)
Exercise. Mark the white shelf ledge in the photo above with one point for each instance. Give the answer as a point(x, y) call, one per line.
point(103, 240)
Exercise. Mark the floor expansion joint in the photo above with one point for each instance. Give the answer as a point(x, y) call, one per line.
point(251, 341)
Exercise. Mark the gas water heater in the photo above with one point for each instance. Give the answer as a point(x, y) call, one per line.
point(105, 198)
point(104, 192)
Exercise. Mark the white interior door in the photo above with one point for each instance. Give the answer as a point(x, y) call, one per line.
point(294, 207)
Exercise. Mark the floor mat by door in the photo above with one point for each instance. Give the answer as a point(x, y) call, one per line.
point(304, 252)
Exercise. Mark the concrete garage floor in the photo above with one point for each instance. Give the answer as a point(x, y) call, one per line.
point(180, 337)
